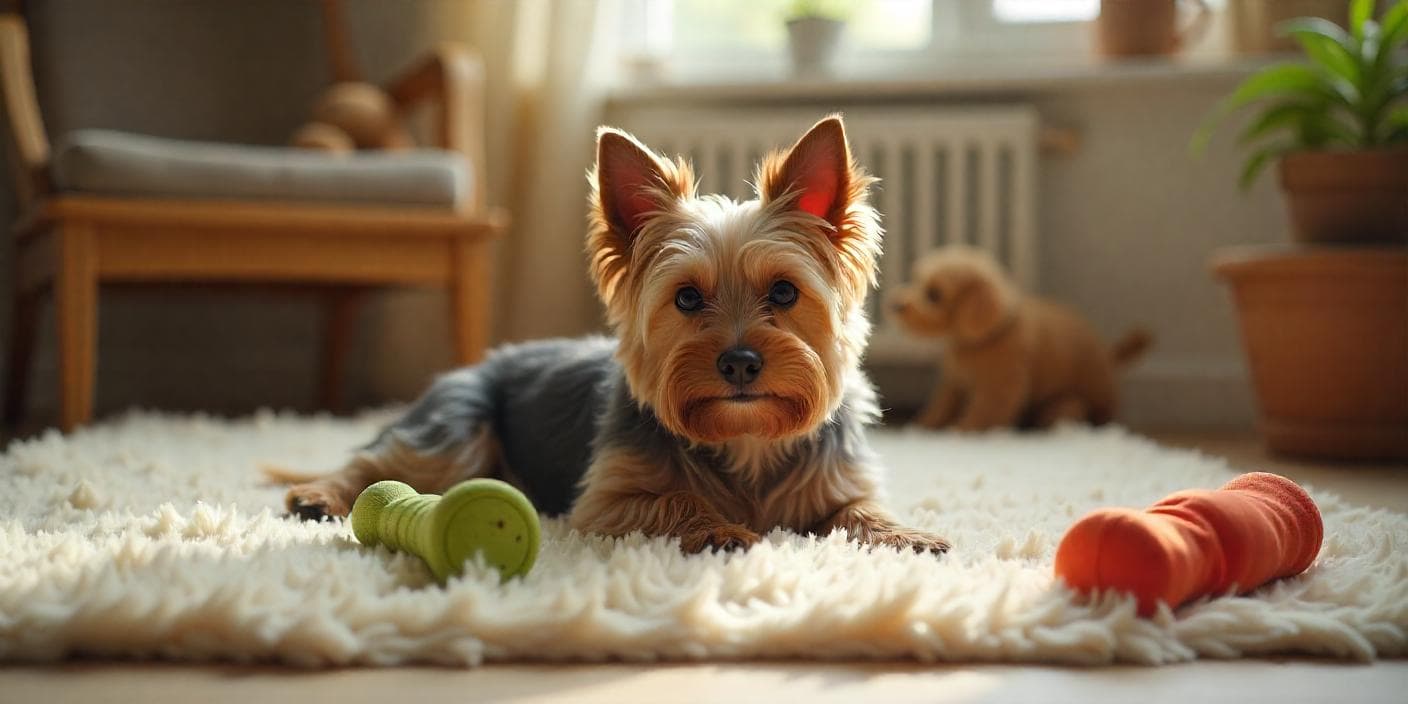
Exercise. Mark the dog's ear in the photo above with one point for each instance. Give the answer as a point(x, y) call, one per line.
point(983, 306)
point(817, 169)
point(818, 177)
point(630, 182)
point(629, 185)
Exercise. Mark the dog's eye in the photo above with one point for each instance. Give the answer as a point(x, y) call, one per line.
point(933, 294)
point(783, 294)
point(689, 299)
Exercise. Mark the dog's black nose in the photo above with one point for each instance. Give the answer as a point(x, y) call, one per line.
point(740, 365)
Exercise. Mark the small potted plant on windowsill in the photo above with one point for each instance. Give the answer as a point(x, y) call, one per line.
point(1325, 323)
point(814, 29)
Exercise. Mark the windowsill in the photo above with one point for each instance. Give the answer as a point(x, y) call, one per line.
point(957, 76)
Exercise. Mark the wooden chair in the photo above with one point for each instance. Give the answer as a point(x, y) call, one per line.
point(71, 244)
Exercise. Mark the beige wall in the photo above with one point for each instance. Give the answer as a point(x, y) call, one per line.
point(1128, 226)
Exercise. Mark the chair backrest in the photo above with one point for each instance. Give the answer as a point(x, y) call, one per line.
point(25, 138)
point(242, 72)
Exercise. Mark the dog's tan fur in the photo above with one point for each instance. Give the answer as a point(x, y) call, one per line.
point(1010, 359)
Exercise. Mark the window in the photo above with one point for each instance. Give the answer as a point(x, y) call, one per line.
point(872, 25)
point(732, 37)
point(713, 35)
point(1014, 11)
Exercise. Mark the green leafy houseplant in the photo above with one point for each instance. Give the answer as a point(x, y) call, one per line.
point(1337, 126)
point(1348, 95)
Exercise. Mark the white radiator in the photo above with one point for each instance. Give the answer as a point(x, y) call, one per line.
point(947, 175)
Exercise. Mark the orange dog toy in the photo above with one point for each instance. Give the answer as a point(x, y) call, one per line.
point(1256, 528)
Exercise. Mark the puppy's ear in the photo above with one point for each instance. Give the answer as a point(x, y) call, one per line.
point(984, 306)
point(817, 169)
point(630, 184)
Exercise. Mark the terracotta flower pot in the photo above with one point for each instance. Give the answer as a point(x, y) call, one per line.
point(1348, 196)
point(1326, 336)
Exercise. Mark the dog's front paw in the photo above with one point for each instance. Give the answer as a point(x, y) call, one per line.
point(868, 524)
point(315, 501)
point(724, 536)
point(902, 539)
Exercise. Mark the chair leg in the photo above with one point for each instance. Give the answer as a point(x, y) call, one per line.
point(24, 324)
point(76, 322)
point(340, 322)
point(469, 301)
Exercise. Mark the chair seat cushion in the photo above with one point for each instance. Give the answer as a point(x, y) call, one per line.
point(124, 164)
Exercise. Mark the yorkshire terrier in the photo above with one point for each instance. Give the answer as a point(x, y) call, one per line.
point(730, 401)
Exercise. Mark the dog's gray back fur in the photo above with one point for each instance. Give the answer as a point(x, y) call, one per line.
point(550, 404)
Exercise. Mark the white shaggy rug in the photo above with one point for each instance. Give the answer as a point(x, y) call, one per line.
point(155, 536)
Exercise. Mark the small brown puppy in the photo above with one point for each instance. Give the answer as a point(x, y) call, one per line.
point(1011, 360)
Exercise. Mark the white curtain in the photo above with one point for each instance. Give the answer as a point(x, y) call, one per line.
point(548, 64)
point(564, 67)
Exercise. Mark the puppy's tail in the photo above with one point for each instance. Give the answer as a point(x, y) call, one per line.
point(1128, 349)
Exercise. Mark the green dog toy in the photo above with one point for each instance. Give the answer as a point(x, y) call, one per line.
point(483, 516)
